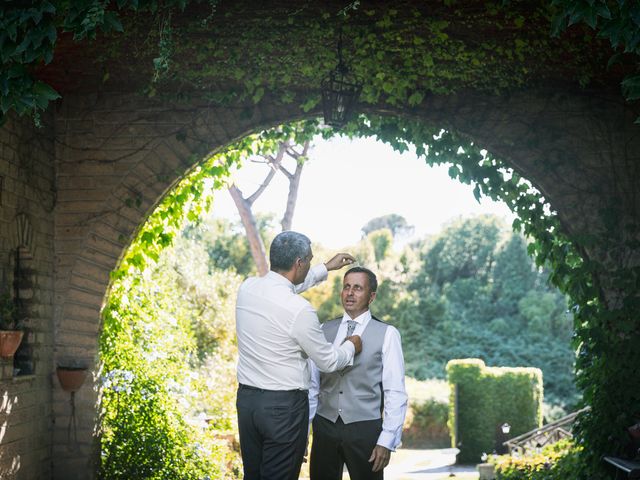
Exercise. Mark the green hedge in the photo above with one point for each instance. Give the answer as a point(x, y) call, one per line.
point(486, 398)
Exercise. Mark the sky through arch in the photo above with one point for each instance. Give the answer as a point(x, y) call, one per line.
point(347, 182)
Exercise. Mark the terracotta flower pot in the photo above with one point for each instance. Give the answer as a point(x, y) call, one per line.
point(9, 342)
point(71, 378)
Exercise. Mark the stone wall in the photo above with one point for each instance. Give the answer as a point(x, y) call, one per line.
point(27, 200)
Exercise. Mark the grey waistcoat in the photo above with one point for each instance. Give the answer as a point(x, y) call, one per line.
point(355, 393)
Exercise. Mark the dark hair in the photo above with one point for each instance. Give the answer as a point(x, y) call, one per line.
point(286, 248)
point(373, 281)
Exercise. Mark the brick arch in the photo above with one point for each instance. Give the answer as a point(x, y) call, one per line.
point(118, 155)
point(117, 160)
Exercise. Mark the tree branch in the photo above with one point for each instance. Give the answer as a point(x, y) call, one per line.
point(274, 163)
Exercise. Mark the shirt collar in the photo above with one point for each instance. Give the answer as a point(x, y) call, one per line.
point(280, 279)
point(360, 319)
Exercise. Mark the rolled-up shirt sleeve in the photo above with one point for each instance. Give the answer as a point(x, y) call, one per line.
point(315, 275)
point(306, 331)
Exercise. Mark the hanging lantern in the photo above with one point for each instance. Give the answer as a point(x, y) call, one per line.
point(340, 93)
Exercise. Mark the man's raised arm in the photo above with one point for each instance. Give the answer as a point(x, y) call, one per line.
point(319, 272)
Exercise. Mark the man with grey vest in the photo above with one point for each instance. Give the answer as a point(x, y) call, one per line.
point(359, 410)
point(277, 331)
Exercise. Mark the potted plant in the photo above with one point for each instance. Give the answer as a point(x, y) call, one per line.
point(10, 335)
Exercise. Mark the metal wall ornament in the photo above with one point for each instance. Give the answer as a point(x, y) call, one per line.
point(340, 92)
point(23, 231)
point(71, 379)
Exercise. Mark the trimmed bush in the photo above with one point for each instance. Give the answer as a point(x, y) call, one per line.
point(483, 398)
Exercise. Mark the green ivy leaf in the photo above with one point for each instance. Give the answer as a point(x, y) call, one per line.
point(258, 94)
point(45, 91)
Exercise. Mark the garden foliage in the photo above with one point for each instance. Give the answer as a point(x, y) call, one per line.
point(559, 461)
point(426, 425)
point(168, 363)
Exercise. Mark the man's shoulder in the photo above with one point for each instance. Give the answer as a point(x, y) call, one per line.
point(249, 281)
point(381, 323)
point(387, 326)
point(265, 289)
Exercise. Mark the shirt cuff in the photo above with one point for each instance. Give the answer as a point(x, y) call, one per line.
point(321, 271)
point(350, 349)
point(387, 440)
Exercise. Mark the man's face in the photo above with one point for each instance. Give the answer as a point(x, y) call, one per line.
point(356, 294)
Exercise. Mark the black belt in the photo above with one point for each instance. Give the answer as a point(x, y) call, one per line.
point(242, 386)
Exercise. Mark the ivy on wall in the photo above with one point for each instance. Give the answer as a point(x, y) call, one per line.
point(404, 51)
point(618, 22)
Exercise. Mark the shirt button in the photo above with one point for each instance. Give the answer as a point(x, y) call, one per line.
point(339, 410)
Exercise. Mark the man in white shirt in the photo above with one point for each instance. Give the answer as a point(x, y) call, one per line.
point(347, 406)
point(277, 331)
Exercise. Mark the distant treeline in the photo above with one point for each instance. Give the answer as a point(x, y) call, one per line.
point(471, 291)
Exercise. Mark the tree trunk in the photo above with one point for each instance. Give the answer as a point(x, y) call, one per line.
point(294, 183)
point(244, 205)
point(256, 244)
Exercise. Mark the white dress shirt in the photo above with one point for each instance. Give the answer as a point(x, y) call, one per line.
point(395, 395)
point(278, 330)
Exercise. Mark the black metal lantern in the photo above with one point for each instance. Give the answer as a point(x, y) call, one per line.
point(340, 92)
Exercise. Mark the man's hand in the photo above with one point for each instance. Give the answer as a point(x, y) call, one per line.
point(340, 260)
point(357, 342)
point(380, 458)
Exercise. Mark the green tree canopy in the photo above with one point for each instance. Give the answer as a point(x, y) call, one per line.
point(396, 224)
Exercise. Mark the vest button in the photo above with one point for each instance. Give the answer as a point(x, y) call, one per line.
point(340, 393)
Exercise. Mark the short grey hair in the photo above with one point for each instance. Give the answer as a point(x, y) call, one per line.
point(286, 248)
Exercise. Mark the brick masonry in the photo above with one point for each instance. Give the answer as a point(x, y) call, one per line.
point(27, 198)
point(73, 177)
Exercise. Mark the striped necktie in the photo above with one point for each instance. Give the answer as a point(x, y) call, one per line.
point(351, 326)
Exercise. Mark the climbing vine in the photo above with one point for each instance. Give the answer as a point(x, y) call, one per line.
point(618, 22)
point(404, 51)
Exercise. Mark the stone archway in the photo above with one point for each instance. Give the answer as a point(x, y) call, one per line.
point(106, 154)
point(110, 185)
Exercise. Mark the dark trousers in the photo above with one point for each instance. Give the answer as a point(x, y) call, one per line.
point(273, 429)
point(337, 444)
